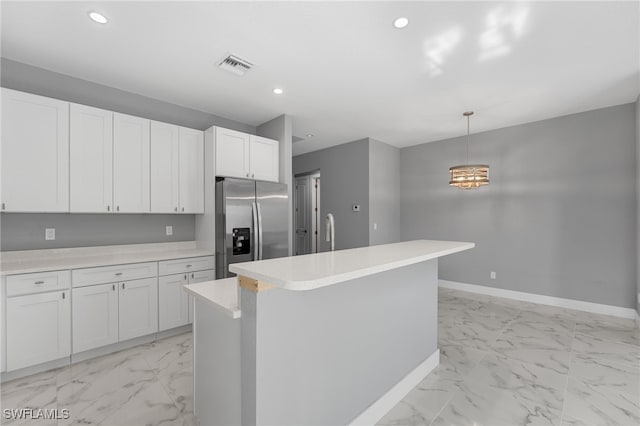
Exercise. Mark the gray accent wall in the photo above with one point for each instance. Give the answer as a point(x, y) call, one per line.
point(384, 193)
point(344, 177)
point(25, 231)
point(559, 217)
point(26, 78)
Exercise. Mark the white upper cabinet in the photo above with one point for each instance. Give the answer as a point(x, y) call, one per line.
point(177, 169)
point(91, 169)
point(131, 189)
point(191, 171)
point(264, 158)
point(165, 174)
point(246, 156)
point(232, 153)
point(35, 153)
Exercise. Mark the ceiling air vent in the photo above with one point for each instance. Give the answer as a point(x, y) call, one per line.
point(235, 64)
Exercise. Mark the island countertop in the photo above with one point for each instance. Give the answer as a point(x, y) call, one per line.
point(311, 271)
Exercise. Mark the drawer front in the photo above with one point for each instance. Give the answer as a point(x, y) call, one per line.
point(40, 282)
point(180, 266)
point(116, 273)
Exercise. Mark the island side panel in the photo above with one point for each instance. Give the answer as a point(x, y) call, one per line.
point(217, 397)
point(323, 356)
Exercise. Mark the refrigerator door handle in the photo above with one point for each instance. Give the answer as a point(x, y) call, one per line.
point(256, 224)
point(259, 232)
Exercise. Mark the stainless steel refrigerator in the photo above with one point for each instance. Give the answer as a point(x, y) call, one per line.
point(251, 222)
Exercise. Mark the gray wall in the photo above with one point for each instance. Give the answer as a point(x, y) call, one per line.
point(281, 129)
point(384, 193)
point(559, 217)
point(344, 181)
point(25, 231)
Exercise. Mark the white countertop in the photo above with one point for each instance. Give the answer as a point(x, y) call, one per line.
point(312, 271)
point(221, 294)
point(28, 261)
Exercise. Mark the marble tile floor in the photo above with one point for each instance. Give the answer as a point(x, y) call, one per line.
point(502, 362)
point(150, 384)
point(505, 362)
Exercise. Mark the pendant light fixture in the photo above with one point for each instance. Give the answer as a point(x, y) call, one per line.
point(469, 176)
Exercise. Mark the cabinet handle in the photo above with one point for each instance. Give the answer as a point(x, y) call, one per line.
point(118, 208)
point(183, 209)
point(113, 287)
point(185, 277)
point(176, 209)
point(63, 296)
point(253, 174)
point(189, 266)
point(192, 275)
point(123, 286)
point(118, 274)
point(2, 206)
point(108, 208)
point(247, 174)
point(39, 282)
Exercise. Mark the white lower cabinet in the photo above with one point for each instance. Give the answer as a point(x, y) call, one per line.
point(38, 328)
point(95, 316)
point(173, 301)
point(138, 308)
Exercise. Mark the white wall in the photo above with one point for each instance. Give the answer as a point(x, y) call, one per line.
point(384, 193)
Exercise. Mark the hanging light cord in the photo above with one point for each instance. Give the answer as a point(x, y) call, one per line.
point(468, 139)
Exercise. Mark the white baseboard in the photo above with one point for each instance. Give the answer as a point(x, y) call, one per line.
point(578, 305)
point(386, 402)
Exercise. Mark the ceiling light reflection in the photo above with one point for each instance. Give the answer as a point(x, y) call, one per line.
point(504, 27)
point(437, 48)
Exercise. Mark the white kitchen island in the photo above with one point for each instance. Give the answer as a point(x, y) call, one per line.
point(329, 338)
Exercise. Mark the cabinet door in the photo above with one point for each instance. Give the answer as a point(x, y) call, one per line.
point(191, 171)
point(35, 153)
point(232, 153)
point(173, 302)
point(198, 277)
point(264, 159)
point(95, 316)
point(91, 165)
point(138, 308)
point(165, 171)
point(38, 329)
point(130, 164)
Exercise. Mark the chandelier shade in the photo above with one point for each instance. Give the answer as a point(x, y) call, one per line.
point(469, 176)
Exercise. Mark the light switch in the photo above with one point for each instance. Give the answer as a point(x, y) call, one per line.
point(50, 234)
point(169, 230)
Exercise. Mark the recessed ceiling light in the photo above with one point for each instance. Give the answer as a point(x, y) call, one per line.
point(98, 17)
point(278, 91)
point(401, 22)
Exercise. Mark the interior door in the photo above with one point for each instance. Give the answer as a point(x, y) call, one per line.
point(302, 216)
point(273, 203)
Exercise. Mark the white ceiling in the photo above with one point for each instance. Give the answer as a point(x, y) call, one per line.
point(347, 73)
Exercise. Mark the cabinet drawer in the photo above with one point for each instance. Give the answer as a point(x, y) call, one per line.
point(178, 266)
point(40, 282)
point(109, 274)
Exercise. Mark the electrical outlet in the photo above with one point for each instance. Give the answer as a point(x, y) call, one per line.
point(169, 230)
point(493, 275)
point(50, 234)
